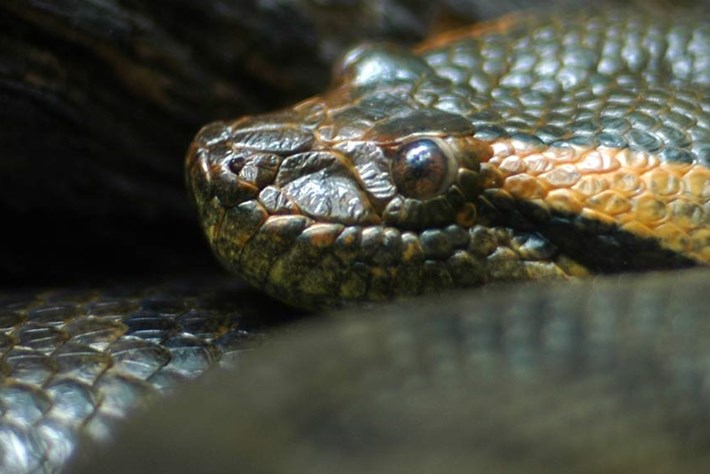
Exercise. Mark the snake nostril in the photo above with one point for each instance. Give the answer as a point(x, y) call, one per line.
point(236, 164)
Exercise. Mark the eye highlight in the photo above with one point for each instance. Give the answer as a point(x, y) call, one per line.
point(423, 168)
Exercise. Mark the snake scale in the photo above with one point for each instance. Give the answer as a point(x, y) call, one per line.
point(528, 148)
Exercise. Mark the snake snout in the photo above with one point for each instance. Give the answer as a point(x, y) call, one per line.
point(233, 161)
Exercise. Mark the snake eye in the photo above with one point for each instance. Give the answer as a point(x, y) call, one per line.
point(423, 168)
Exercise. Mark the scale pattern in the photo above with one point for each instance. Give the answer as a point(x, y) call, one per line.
point(77, 361)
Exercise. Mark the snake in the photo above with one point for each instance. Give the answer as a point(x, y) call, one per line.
point(530, 148)
point(522, 149)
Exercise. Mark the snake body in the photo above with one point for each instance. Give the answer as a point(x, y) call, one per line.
point(523, 149)
point(76, 361)
point(589, 378)
point(528, 148)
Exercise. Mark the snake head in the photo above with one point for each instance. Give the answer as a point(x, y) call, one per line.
point(366, 192)
point(505, 151)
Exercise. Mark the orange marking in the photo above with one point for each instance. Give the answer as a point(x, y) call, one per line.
point(633, 190)
point(500, 25)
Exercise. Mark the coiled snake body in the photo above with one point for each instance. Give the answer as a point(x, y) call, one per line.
point(529, 148)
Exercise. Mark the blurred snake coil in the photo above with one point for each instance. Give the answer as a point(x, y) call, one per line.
point(530, 148)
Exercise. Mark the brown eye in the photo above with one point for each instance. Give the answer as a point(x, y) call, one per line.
point(422, 169)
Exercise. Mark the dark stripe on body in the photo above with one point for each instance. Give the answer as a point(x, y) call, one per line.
point(600, 247)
